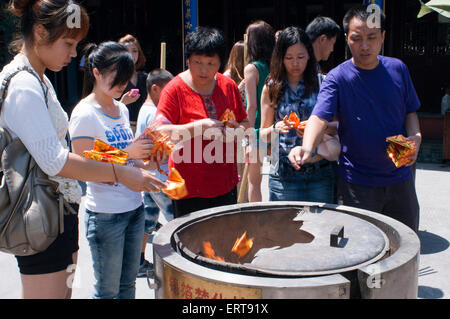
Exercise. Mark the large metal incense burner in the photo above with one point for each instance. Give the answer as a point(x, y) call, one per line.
point(300, 250)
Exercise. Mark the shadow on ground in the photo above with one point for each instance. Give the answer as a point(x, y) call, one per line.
point(431, 243)
point(442, 167)
point(430, 292)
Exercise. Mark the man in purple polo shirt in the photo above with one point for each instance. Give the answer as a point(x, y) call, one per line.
point(372, 97)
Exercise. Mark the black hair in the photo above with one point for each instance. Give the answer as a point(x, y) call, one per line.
point(275, 81)
point(322, 25)
point(206, 41)
point(107, 57)
point(160, 77)
point(361, 12)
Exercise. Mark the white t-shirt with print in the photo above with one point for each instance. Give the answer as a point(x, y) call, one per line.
point(88, 121)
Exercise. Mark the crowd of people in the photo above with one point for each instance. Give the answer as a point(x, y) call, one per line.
point(340, 157)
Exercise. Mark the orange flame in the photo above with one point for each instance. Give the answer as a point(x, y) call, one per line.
point(209, 252)
point(241, 248)
point(242, 245)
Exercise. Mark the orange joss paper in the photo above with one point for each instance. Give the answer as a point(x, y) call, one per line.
point(161, 144)
point(103, 152)
point(242, 245)
point(101, 146)
point(176, 187)
point(400, 149)
point(293, 120)
point(227, 116)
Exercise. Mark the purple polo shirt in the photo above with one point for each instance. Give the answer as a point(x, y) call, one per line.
point(370, 105)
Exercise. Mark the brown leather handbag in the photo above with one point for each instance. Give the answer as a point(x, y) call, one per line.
point(31, 209)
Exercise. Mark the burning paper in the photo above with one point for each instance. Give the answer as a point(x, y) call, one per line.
point(241, 248)
point(209, 252)
point(242, 245)
point(400, 149)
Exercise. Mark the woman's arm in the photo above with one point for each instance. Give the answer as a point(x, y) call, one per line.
point(332, 128)
point(251, 76)
point(129, 98)
point(183, 132)
point(267, 116)
point(83, 169)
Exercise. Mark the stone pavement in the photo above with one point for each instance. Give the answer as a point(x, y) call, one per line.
point(433, 189)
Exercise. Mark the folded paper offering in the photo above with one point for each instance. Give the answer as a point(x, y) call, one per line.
point(227, 116)
point(293, 120)
point(162, 145)
point(400, 149)
point(176, 187)
point(103, 152)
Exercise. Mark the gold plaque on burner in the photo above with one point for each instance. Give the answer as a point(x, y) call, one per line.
point(178, 285)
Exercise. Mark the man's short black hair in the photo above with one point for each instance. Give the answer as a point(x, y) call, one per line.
point(206, 41)
point(322, 25)
point(160, 77)
point(362, 12)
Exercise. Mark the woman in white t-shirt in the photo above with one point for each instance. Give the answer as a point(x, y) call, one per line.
point(114, 214)
point(48, 41)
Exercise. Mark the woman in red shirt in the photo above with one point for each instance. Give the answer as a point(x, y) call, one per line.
point(190, 109)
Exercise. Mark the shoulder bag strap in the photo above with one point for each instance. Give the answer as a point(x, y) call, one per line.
point(7, 80)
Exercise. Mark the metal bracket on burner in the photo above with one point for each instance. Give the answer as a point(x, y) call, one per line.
point(337, 232)
point(155, 285)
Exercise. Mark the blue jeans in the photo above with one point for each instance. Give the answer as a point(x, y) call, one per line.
point(153, 204)
point(115, 241)
point(310, 186)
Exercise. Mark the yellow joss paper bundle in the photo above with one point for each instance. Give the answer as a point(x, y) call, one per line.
point(400, 149)
point(161, 144)
point(103, 152)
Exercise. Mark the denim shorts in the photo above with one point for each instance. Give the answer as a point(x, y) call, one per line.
point(314, 183)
